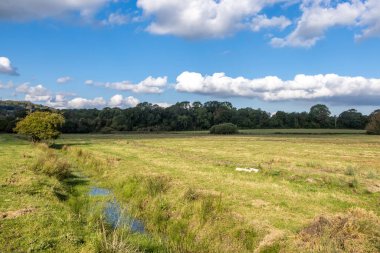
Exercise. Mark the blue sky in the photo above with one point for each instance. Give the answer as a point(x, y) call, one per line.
point(287, 55)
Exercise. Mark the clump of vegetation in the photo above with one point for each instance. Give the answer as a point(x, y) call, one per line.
point(191, 195)
point(354, 183)
point(355, 231)
point(107, 130)
point(225, 128)
point(350, 171)
point(373, 126)
point(112, 240)
point(156, 185)
point(52, 166)
point(41, 126)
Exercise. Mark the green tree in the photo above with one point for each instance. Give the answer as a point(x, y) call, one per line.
point(352, 119)
point(320, 116)
point(41, 126)
point(373, 126)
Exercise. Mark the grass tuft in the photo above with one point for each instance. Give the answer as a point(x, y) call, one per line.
point(350, 171)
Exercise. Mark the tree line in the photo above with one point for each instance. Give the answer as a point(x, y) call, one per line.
point(182, 116)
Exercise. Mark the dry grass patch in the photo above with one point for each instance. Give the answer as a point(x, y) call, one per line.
point(356, 231)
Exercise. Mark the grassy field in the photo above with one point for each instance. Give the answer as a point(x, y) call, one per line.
point(313, 193)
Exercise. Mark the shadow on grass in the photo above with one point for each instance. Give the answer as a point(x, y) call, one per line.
point(61, 145)
point(68, 186)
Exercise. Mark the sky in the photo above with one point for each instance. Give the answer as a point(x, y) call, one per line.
point(271, 54)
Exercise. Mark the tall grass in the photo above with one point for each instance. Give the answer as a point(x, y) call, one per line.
point(50, 164)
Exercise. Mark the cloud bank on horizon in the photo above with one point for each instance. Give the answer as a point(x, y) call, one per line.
point(197, 19)
point(272, 88)
point(364, 91)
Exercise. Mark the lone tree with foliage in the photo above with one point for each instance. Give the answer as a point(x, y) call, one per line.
point(373, 126)
point(40, 126)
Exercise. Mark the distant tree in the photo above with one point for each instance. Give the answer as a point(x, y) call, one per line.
point(351, 119)
point(320, 116)
point(373, 126)
point(41, 126)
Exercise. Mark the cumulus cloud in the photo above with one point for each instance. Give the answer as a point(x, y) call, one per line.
point(200, 18)
point(80, 103)
point(272, 88)
point(263, 22)
point(61, 100)
point(119, 101)
point(58, 101)
point(39, 9)
point(370, 20)
point(115, 19)
point(99, 102)
point(163, 104)
point(6, 67)
point(64, 79)
point(149, 85)
point(36, 93)
point(320, 15)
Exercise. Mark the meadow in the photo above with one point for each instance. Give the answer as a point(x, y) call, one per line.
point(314, 192)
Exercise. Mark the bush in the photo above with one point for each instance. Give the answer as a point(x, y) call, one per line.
point(41, 126)
point(225, 128)
point(373, 126)
point(107, 130)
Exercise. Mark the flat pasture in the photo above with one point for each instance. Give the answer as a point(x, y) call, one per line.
point(185, 188)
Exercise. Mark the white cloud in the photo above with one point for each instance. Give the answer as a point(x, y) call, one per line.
point(64, 79)
point(116, 19)
point(36, 93)
point(79, 103)
point(263, 22)
point(89, 82)
point(99, 102)
point(272, 88)
point(39, 9)
point(320, 15)
point(149, 85)
point(370, 20)
point(163, 104)
point(119, 101)
point(201, 18)
point(6, 67)
point(58, 101)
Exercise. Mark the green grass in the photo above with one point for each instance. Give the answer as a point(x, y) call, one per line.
point(300, 131)
point(186, 190)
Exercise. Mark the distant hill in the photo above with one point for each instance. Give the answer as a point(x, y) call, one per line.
point(12, 111)
point(9, 106)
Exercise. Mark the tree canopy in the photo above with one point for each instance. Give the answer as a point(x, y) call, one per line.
point(373, 126)
point(182, 116)
point(41, 126)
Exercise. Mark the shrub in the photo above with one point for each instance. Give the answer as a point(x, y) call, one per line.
point(41, 126)
point(107, 130)
point(373, 126)
point(225, 128)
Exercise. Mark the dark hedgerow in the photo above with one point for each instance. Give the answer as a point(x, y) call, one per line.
point(225, 128)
